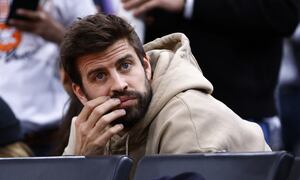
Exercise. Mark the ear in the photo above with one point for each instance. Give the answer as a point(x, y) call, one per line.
point(147, 67)
point(79, 93)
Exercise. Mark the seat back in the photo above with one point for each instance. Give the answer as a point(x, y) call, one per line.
point(216, 166)
point(295, 172)
point(65, 168)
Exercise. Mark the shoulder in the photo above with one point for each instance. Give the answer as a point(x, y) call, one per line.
point(180, 126)
point(193, 121)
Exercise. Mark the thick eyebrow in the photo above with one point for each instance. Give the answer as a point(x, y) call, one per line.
point(94, 71)
point(119, 61)
point(127, 56)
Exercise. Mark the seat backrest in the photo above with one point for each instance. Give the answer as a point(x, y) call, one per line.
point(295, 172)
point(65, 168)
point(216, 166)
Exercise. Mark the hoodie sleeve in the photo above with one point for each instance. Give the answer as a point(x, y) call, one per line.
point(275, 17)
point(70, 149)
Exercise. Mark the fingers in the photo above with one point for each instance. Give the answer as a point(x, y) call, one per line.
point(22, 25)
point(31, 15)
point(140, 7)
point(30, 24)
point(102, 125)
point(132, 4)
point(92, 125)
point(108, 118)
point(96, 147)
point(101, 110)
point(89, 107)
point(104, 138)
point(96, 112)
point(145, 7)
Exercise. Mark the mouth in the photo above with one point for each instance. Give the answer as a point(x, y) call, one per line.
point(125, 98)
point(127, 101)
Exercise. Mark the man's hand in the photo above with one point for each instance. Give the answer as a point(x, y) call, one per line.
point(140, 7)
point(40, 23)
point(93, 129)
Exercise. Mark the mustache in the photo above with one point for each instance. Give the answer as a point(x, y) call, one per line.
point(133, 94)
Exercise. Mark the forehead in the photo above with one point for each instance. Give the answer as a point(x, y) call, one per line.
point(109, 56)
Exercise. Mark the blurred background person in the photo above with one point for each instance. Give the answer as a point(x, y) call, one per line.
point(289, 94)
point(237, 44)
point(61, 136)
point(28, 62)
point(115, 7)
point(11, 144)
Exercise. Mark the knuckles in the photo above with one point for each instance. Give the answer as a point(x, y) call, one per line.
point(98, 111)
point(83, 129)
point(105, 119)
point(89, 106)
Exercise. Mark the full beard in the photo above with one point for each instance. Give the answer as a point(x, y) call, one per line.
point(136, 112)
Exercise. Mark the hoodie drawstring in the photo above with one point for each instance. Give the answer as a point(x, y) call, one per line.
point(127, 145)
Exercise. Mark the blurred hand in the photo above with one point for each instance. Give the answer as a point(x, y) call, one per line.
point(93, 129)
point(40, 23)
point(140, 7)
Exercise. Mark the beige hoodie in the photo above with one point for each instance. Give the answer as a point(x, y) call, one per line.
point(182, 117)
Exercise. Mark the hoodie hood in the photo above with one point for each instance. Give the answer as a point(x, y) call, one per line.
point(174, 70)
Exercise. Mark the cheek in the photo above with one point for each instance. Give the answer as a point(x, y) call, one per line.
point(94, 90)
point(139, 81)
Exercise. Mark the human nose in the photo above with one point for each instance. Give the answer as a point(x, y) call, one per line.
point(119, 83)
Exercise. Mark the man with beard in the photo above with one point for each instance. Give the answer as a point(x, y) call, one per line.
point(145, 100)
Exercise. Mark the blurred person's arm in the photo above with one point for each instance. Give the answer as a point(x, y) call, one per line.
point(40, 23)
point(51, 20)
point(142, 6)
point(272, 17)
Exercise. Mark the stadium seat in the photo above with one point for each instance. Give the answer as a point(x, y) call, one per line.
point(65, 168)
point(295, 172)
point(218, 166)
